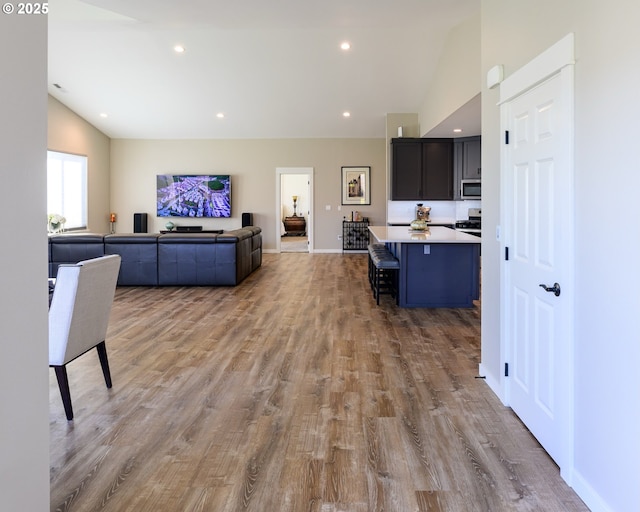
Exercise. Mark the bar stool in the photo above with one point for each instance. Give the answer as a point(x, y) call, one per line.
point(383, 272)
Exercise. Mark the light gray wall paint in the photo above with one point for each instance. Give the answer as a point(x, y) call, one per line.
point(69, 133)
point(252, 165)
point(24, 379)
point(607, 349)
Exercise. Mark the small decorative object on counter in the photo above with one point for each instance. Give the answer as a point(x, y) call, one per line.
point(169, 225)
point(419, 225)
point(422, 212)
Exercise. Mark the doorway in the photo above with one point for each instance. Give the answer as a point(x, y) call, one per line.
point(537, 275)
point(294, 207)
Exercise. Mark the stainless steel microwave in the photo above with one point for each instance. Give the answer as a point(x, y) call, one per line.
point(470, 189)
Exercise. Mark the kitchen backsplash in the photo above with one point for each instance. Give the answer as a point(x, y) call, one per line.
point(441, 211)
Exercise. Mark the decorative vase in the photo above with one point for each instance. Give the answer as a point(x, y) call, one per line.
point(419, 225)
point(170, 225)
point(55, 223)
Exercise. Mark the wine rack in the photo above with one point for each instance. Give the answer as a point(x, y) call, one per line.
point(355, 235)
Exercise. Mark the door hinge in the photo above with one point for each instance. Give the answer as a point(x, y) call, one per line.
point(506, 369)
point(506, 254)
point(506, 136)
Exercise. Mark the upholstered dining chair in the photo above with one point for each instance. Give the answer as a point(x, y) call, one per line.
point(79, 316)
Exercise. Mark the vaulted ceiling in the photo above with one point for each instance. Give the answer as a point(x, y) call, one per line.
point(271, 68)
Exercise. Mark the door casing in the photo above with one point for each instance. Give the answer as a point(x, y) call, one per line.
point(557, 60)
point(293, 170)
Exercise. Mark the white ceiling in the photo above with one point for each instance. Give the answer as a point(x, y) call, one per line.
point(273, 67)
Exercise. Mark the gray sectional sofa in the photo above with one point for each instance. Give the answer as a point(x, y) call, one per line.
point(174, 259)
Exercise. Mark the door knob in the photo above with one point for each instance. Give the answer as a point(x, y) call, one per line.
point(555, 288)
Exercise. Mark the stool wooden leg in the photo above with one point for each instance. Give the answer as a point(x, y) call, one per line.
point(63, 384)
point(396, 278)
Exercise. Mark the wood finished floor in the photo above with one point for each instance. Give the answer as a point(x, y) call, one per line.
point(294, 244)
point(292, 392)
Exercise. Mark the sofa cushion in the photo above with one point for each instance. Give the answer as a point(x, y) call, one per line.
point(139, 253)
point(195, 259)
point(72, 248)
point(189, 238)
point(132, 238)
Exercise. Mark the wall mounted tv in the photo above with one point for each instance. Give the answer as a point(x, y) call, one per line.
point(190, 195)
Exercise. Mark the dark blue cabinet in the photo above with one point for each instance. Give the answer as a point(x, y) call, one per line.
point(438, 275)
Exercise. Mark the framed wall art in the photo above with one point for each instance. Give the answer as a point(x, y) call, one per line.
point(356, 185)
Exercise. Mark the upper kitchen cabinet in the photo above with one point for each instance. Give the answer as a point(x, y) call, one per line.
point(471, 166)
point(421, 169)
point(406, 169)
point(466, 161)
point(437, 163)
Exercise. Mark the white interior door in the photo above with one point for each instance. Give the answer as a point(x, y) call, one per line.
point(538, 200)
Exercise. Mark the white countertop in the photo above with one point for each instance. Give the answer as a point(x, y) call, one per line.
point(434, 235)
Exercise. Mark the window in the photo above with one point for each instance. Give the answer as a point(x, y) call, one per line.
point(67, 188)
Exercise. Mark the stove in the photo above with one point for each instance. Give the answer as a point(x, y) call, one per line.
point(472, 225)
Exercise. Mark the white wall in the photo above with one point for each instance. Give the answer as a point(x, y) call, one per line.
point(607, 346)
point(24, 379)
point(457, 78)
point(294, 185)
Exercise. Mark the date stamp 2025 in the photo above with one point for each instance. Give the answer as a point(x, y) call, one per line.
point(25, 8)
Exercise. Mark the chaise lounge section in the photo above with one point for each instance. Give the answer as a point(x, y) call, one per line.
point(171, 259)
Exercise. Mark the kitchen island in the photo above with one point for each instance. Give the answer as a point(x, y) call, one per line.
point(439, 268)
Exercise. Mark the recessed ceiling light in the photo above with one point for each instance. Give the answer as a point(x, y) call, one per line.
point(104, 114)
point(179, 48)
point(457, 130)
point(220, 115)
point(346, 114)
point(346, 45)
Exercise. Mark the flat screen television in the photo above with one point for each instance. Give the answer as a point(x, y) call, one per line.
point(191, 195)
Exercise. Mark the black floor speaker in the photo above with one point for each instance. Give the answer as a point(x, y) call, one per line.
point(139, 222)
point(247, 219)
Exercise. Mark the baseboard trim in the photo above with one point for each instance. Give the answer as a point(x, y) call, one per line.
point(494, 384)
point(315, 251)
point(588, 494)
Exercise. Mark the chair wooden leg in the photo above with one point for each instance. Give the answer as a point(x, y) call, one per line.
point(63, 384)
point(104, 362)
